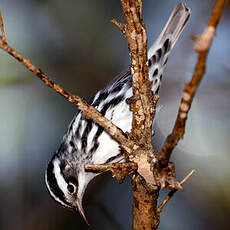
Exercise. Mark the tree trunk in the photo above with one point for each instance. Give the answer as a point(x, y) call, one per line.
point(145, 215)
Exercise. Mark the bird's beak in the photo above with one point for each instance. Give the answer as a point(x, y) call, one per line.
point(80, 209)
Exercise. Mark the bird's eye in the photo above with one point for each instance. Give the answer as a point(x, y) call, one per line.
point(71, 188)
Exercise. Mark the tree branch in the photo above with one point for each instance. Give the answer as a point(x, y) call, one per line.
point(145, 215)
point(3, 36)
point(89, 111)
point(119, 170)
point(172, 192)
point(143, 103)
point(202, 46)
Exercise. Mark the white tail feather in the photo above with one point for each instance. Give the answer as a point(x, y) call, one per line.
point(173, 28)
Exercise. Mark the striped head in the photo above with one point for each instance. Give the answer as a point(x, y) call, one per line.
point(88, 143)
point(66, 184)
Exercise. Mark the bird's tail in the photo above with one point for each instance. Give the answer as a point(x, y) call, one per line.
point(173, 28)
point(159, 51)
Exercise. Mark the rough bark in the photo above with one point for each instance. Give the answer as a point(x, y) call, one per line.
point(145, 214)
point(147, 179)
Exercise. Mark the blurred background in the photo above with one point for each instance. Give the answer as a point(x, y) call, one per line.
point(74, 42)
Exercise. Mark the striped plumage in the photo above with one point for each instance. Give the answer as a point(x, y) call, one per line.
point(85, 142)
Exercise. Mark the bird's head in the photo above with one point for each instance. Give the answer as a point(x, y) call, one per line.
point(66, 184)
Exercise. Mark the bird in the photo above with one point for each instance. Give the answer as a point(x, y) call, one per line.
point(86, 142)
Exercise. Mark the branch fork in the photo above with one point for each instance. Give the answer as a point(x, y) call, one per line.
point(172, 192)
point(165, 178)
point(153, 167)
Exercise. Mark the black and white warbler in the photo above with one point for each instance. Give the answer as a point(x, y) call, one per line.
point(85, 142)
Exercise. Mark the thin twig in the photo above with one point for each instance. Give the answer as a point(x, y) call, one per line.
point(89, 111)
point(190, 89)
point(119, 170)
point(3, 36)
point(172, 192)
point(188, 176)
point(118, 25)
